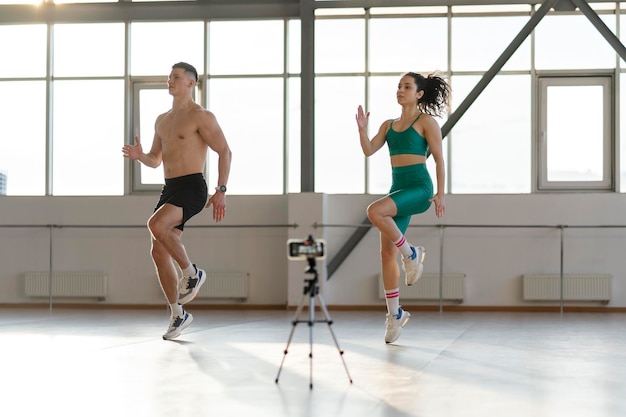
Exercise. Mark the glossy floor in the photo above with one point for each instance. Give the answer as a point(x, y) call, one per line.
point(114, 363)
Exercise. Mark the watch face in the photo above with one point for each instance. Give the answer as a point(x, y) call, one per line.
point(223, 188)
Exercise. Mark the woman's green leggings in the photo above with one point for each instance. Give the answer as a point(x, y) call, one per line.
point(411, 190)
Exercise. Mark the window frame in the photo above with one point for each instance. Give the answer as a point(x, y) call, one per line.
point(603, 79)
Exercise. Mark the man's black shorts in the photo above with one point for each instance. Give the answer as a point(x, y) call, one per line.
point(189, 192)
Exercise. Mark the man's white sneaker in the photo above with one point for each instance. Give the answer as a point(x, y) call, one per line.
point(414, 265)
point(177, 325)
point(394, 325)
point(188, 287)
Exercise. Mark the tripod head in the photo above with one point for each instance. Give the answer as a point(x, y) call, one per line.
point(312, 267)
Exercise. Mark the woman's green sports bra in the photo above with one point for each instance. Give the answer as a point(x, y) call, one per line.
point(406, 142)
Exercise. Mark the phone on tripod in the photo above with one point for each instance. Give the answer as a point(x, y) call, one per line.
point(310, 248)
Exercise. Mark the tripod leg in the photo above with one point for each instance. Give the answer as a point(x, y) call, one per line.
point(311, 322)
point(294, 322)
point(329, 321)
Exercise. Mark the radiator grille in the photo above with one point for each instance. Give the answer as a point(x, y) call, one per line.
point(225, 285)
point(66, 284)
point(587, 287)
point(427, 288)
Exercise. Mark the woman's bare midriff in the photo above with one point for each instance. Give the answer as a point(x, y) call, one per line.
point(407, 159)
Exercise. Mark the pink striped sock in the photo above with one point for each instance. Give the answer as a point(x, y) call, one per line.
point(403, 245)
point(392, 297)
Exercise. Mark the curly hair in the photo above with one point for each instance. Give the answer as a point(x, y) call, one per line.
point(436, 93)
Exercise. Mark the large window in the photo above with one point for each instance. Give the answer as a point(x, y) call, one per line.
point(87, 138)
point(23, 109)
point(87, 95)
point(255, 135)
point(491, 144)
point(475, 48)
point(572, 42)
point(23, 137)
point(92, 86)
point(247, 91)
point(88, 50)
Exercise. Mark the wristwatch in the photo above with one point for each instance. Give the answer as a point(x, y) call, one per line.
point(221, 188)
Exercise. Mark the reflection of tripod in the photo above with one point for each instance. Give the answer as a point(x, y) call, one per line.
point(311, 288)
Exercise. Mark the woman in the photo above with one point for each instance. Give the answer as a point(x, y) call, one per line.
point(410, 138)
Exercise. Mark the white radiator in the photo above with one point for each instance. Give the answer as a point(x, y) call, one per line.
point(225, 285)
point(584, 287)
point(427, 288)
point(66, 284)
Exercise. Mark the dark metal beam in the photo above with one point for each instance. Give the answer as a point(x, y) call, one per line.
point(307, 96)
point(497, 66)
point(147, 11)
point(601, 26)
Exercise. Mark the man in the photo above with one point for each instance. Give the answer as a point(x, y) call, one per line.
point(182, 136)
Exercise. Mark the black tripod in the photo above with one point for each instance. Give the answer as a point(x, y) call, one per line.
point(312, 290)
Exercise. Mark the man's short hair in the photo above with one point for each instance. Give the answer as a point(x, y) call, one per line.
point(188, 68)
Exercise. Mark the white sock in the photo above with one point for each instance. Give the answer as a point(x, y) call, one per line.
point(403, 245)
point(190, 271)
point(392, 297)
point(177, 309)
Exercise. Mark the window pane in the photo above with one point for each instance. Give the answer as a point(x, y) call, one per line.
point(622, 33)
point(154, 48)
point(27, 50)
point(152, 103)
point(23, 137)
point(246, 47)
point(294, 40)
point(340, 45)
point(88, 139)
point(100, 47)
point(572, 42)
point(387, 54)
point(574, 150)
point(475, 48)
point(491, 144)
point(339, 160)
point(294, 136)
point(382, 105)
point(255, 139)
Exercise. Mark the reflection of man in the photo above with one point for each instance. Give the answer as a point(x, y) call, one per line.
point(182, 136)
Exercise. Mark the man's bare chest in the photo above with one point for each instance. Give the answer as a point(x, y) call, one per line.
point(173, 128)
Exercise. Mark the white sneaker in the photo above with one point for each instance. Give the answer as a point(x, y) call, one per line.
point(394, 325)
point(177, 325)
point(414, 265)
point(188, 287)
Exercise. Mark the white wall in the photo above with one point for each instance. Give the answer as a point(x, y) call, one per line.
point(493, 259)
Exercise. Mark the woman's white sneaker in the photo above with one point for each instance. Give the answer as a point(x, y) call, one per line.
point(394, 325)
point(414, 265)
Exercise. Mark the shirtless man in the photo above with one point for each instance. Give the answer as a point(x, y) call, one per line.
point(182, 136)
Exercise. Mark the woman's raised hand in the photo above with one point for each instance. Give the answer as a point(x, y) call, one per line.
point(362, 117)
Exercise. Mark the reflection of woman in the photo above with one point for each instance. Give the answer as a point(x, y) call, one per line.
point(410, 138)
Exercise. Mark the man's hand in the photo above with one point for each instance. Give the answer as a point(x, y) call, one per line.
point(133, 152)
point(218, 202)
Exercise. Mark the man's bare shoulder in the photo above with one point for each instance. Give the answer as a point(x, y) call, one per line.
point(163, 115)
point(203, 114)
